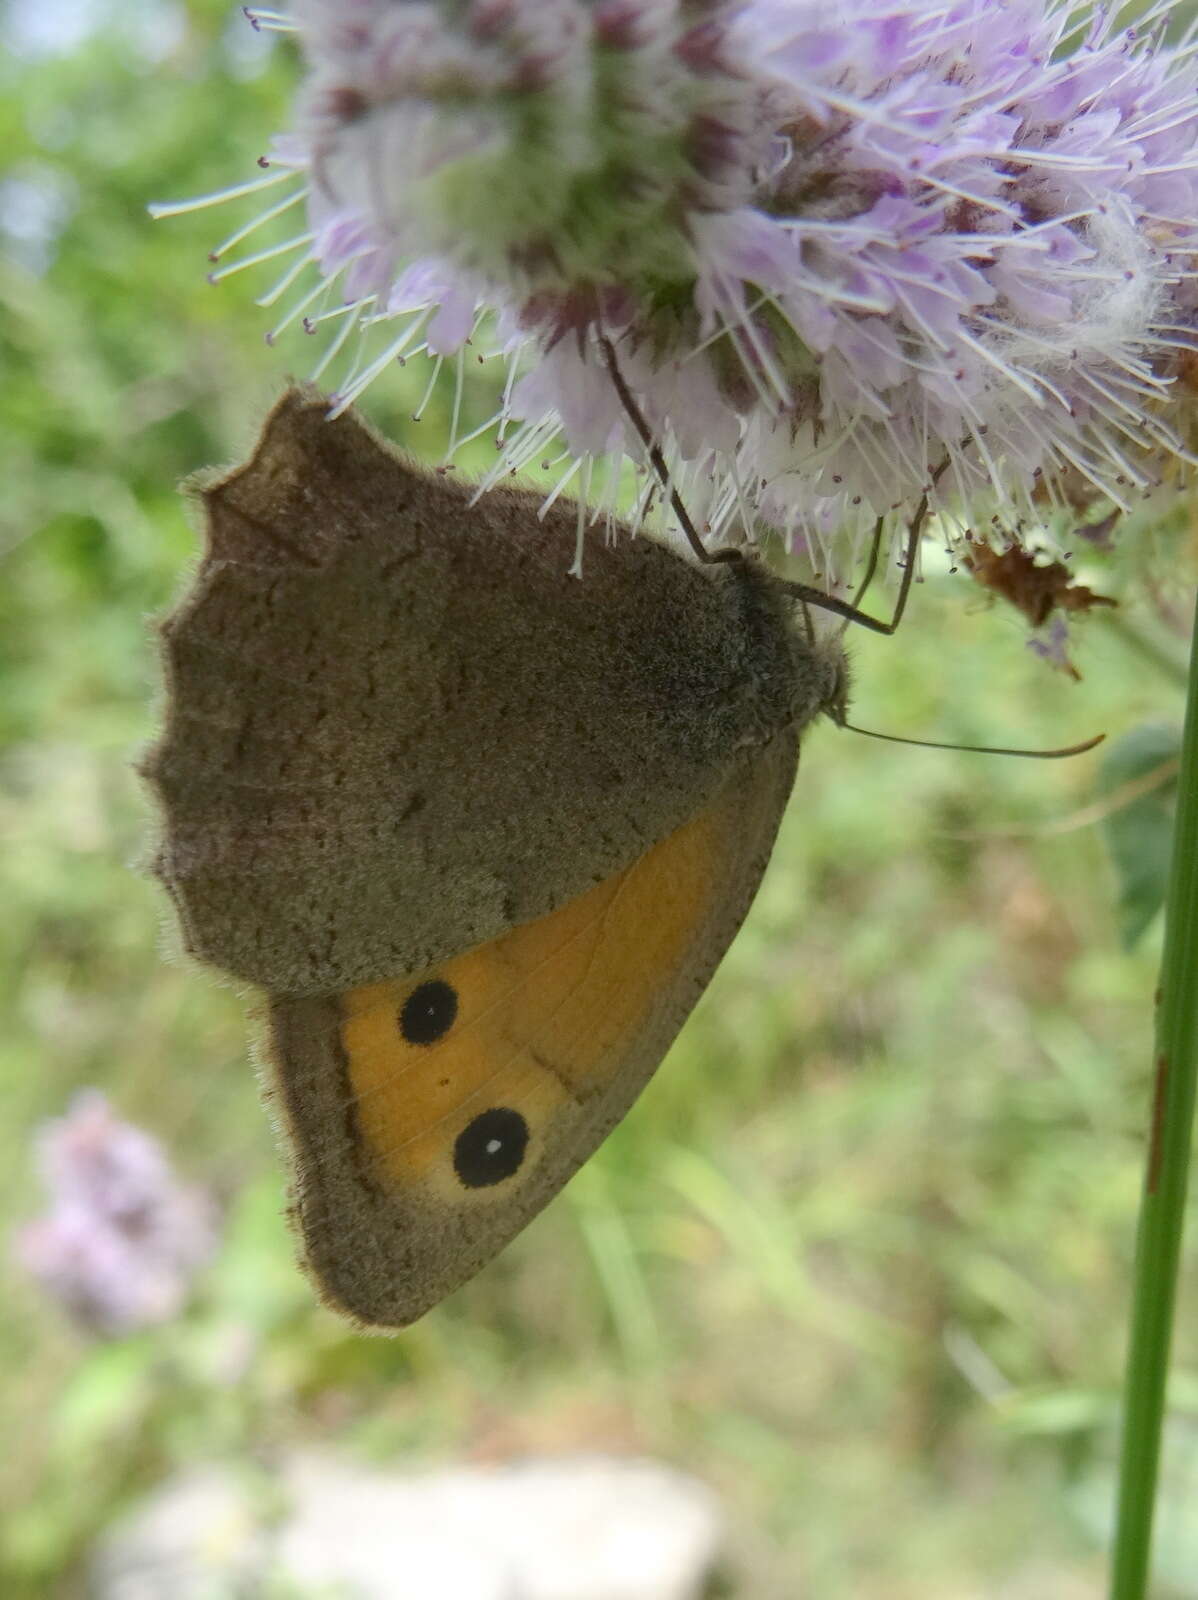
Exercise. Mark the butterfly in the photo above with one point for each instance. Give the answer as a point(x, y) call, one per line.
point(480, 831)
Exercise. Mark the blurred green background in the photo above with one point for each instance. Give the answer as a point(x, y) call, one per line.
point(859, 1258)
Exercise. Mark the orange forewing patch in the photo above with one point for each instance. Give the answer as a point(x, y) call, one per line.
point(545, 1015)
point(431, 1116)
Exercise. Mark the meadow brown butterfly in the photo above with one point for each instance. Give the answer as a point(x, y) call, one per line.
point(480, 830)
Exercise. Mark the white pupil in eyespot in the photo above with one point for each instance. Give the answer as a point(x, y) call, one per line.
point(493, 1145)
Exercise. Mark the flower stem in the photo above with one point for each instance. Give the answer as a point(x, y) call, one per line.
point(1158, 1242)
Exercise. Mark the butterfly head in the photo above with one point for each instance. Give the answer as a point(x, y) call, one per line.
point(821, 676)
point(836, 681)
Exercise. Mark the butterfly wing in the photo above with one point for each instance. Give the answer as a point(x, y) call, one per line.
point(480, 830)
point(431, 1116)
point(396, 726)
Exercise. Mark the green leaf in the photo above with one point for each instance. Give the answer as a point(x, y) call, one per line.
point(1140, 772)
point(106, 1395)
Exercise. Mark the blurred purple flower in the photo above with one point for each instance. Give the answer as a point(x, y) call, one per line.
point(1051, 643)
point(122, 1238)
point(848, 254)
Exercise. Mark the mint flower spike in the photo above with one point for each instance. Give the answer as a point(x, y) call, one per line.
point(122, 1239)
point(263, 20)
point(847, 255)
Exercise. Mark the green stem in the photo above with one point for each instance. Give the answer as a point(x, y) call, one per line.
point(1162, 1211)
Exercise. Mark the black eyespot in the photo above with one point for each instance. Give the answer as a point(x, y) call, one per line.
point(428, 1013)
point(491, 1148)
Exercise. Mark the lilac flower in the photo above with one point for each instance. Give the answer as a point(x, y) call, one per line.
point(122, 1238)
point(1051, 644)
point(847, 255)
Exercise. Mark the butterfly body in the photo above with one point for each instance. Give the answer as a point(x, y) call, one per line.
point(481, 831)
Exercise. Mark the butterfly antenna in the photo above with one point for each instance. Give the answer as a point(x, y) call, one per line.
point(981, 749)
point(657, 459)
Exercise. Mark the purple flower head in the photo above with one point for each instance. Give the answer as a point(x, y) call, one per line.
point(1051, 644)
point(121, 1239)
point(848, 256)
